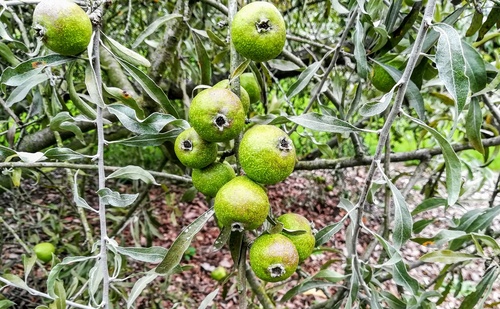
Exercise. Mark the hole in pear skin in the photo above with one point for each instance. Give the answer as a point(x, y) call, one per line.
point(237, 227)
point(187, 145)
point(221, 122)
point(263, 26)
point(285, 144)
point(276, 270)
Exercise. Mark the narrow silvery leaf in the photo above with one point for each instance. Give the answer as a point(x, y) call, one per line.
point(153, 26)
point(304, 79)
point(31, 157)
point(19, 93)
point(375, 108)
point(203, 60)
point(134, 173)
point(182, 242)
point(148, 255)
point(283, 65)
point(54, 272)
point(359, 50)
point(16, 76)
point(151, 125)
point(28, 263)
point(223, 238)
point(79, 202)
point(126, 54)
point(473, 123)
point(328, 231)
point(304, 287)
point(95, 90)
point(116, 199)
point(207, 300)
point(323, 123)
point(239, 70)
point(450, 63)
point(482, 289)
point(61, 295)
point(16, 281)
point(151, 88)
point(452, 163)
point(144, 140)
point(402, 218)
point(139, 286)
point(447, 257)
point(63, 154)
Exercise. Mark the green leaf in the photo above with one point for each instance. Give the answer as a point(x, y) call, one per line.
point(303, 79)
point(402, 217)
point(203, 60)
point(486, 283)
point(323, 123)
point(125, 53)
point(403, 278)
point(487, 240)
point(151, 88)
point(65, 122)
point(93, 87)
point(393, 301)
point(61, 295)
point(153, 27)
point(139, 286)
point(16, 281)
point(283, 65)
point(239, 70)
point(19, 93)
point(432, 35)
point(181, 243)
point(412, 94)
point(149, 255)
point(79, 201)
point(64, 154)
point(328, 231)
point(491, 20)
point(125, 97)
point(134, 173)
point(223, 238)
point(447, 257)
point(477, 21)
point(473, 123)
point(329, 275)
point(450, 64)
point(28, 263)
point(442, 237)
point(207, 300)
point(374, 108)
point(54, 272)
point(116, 199)
point(304, 287)
point(475, 68)
point(16, 76)
point(151, 125)
point(420, 225)
point(5, 304)
point(214, 38)
point(145, 140)
point(359, 50)
point(452, 163)
point(428, 204)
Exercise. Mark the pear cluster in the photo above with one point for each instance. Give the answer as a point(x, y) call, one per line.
point(266, 153)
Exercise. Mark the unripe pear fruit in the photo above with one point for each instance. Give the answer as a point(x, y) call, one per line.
point(210, 179)
point(303, 242)
point(193, 151)
point(244, 97)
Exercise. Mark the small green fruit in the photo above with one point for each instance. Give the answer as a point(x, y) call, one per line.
point(267, 154)
point(63, 26)
point(273, 257)
point(44, 251)
point(217, 115)
point(258, 31)
point(244, 97)
point(211, 178)
point(248, 81)
point(241, 204)
point(381, 79)
point(193, 151)
point(219, 274)
point(304, 243)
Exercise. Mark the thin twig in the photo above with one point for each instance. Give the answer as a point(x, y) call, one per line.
point(259, 290)
point(493, 109)
point(495, 191)
point(172, 177)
